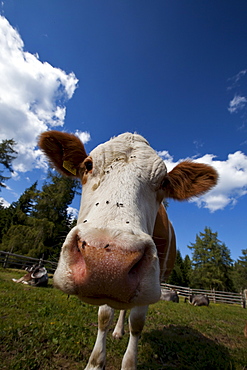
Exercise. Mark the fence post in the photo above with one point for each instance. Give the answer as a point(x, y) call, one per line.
point(214, 297)
point(41, 259)
point(244, 298)
point(6, 260)
point(190, 292)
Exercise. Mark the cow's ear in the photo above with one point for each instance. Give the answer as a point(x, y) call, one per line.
point(189, 179)
point(65, 151)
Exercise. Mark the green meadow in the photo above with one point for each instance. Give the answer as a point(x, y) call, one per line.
point(41, 328)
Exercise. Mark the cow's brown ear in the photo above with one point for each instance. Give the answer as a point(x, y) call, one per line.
point(65, 151)
point(189, 179)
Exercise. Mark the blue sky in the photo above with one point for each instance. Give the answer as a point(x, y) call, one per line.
point(173, 71)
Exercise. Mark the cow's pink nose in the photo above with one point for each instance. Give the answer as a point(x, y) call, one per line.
point(107, 270)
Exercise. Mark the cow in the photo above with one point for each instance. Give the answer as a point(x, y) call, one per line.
point(198, 300)
point(169, 295)
point(26, 278)
point(36, 276)
point(123, 243)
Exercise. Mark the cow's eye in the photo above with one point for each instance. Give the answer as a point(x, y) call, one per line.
point(164, 183)
point(89, 165)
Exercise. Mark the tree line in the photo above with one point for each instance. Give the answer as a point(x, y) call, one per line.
point(38, 222)
point(210, 266)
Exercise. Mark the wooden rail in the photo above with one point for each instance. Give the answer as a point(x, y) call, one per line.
point(12, 260)
point(213, 295)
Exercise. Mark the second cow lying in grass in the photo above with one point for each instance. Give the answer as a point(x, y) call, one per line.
point(198, 300)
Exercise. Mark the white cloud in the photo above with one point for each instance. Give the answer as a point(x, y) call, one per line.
point(32, 97)
point(232, 182)
point(73, 212)
point(235, 79)
point(168, 159)
point(237, 103)
point(84, 136)
point(4, 202)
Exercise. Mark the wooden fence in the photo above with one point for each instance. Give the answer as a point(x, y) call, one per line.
point(18, 261)
point(12, 260)
point(213, 295)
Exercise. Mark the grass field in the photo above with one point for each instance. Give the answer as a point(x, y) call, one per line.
point(41, 328)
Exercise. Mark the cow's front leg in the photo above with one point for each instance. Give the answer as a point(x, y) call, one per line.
point(136, 322)
point(98, 355)
point(119, 328)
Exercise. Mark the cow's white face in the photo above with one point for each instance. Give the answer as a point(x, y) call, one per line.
point(110, 257)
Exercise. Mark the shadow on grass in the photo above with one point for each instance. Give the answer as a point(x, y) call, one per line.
point(181, 347)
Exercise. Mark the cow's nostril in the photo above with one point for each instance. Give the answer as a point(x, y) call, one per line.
point(81, 243)
point(135, 269)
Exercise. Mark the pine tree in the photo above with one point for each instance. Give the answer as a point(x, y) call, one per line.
point(18, 231)
point(6, 215)
point(51, 205)
point(27, 200)
point(187, 270)
point(177, 276)
point(211, 262)
point(7, 155)
point(28, 239)
point(239, 274)
point(17, 212)
point(37, 224)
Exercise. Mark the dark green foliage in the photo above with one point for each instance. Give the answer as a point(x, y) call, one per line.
point(239, 274)
point(7, 155)
point(180, 273)
point(187, 270)
point(15, 219)
point(28, 239)
point(27, 200)
point(53, 200)
point(37, 224)
point(51, 205)
point(211, 262)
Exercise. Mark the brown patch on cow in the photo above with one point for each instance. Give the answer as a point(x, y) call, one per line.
point(163, 237)
point(189, 179)
point(62, 148)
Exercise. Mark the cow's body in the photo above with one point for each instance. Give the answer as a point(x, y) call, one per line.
point(123, 242)
point(169, 295)
point(198, 300)
point(36, 276)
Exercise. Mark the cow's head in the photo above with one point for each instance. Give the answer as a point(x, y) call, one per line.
point(110, 256)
